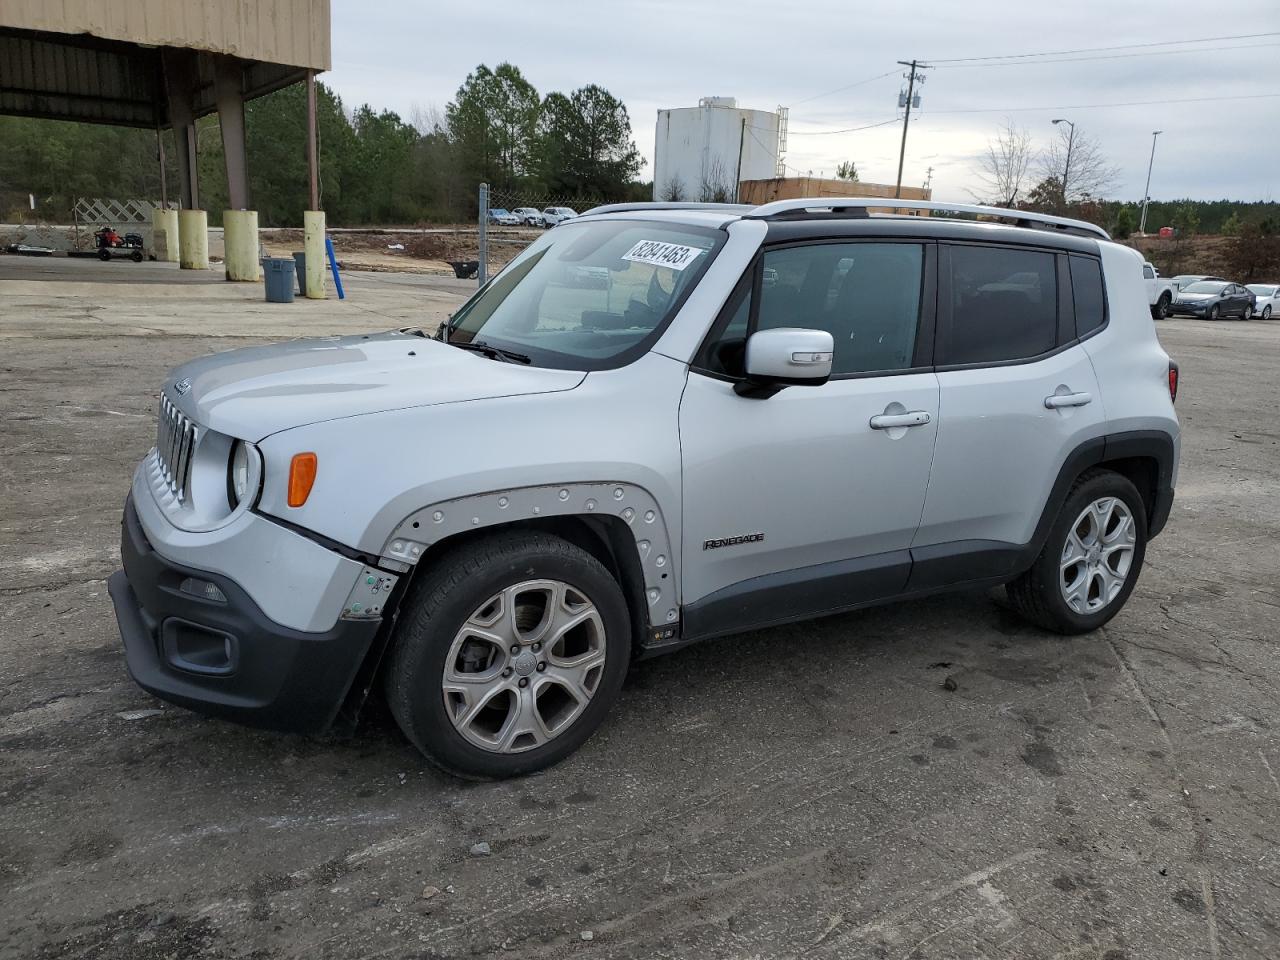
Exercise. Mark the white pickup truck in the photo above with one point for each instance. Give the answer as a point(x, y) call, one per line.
point(1159, 290)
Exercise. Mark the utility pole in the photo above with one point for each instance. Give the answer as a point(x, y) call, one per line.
point(912, 96)
point(1066, 168)
point(928, 179)
point(1146, 192)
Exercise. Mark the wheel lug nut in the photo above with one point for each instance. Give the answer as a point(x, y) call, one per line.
point(537, 647)
point(515, 649)
point(507, 672)
point(524, 681)
point(542, 665)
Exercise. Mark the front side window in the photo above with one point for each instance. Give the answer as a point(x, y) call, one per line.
point(1148, 273)
point(867, 295)
point(591, 295)
point(1004, 305)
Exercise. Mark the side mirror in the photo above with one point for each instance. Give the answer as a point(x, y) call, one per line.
point(786, 357)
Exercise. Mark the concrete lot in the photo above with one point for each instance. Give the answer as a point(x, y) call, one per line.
point(807, 791)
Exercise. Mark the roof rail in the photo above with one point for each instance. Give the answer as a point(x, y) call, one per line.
point(737, 208)
point(859, 206)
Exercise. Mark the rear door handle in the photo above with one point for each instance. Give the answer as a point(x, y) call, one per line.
point(1059, 400)
point(913, 418)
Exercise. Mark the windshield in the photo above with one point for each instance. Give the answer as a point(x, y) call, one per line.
point(1205, 286)
point(590, 295)
point(1261, 290)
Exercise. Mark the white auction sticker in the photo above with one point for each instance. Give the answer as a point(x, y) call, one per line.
point(660, 254)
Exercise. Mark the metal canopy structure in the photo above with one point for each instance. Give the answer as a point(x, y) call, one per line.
point(158, 63)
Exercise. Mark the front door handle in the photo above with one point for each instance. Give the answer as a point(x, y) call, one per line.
point(913, 418)
point(1059, 400)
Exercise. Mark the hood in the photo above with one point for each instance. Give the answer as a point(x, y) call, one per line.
point(257, 391)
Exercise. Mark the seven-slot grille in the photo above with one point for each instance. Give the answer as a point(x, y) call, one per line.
point(175, 443)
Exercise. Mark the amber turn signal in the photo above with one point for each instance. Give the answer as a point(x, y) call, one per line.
point(302, 475)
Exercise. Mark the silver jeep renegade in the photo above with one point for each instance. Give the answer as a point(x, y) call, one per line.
point(657, 425)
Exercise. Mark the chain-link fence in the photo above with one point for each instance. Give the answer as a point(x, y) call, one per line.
point(502, 200)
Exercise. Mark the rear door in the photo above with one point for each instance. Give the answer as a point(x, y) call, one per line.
point(1018, 394)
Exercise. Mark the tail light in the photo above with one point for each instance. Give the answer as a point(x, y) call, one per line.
point(1173, 381)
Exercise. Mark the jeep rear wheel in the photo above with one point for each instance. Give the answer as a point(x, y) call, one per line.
point(1091, 559)
point(511, 652)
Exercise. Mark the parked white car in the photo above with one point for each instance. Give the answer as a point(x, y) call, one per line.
point(555, 215)
point(765, 415)
point(1268, 299)
point(529, 217)
point(1160, 292)
point(503, 218)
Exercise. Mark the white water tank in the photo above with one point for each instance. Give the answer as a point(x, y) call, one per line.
point(703, 152)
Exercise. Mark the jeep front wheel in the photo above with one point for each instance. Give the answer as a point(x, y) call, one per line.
point(511, 651)
point(1091, 559)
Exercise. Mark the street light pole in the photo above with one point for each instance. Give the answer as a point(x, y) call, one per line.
point(1066, 167)
point(1146, 192)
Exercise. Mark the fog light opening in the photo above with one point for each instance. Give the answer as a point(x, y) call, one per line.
point(202, 589)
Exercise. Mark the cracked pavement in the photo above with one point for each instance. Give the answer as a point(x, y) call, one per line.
point(816, 790)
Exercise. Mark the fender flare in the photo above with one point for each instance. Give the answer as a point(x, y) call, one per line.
point(633, 505)
point(1152, 444)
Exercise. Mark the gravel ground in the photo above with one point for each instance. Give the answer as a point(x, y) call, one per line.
point(814, 790)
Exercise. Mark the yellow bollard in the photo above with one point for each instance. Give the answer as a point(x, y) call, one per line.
point(313, 245)
point(240, 244)
point(164, 235)
point(193, 240)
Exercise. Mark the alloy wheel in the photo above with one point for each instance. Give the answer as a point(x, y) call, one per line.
point(524, 666)
point(1097, 555)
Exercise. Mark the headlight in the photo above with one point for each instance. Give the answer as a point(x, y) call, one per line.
point(238, 474)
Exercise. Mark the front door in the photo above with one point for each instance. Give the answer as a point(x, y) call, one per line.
point(807, 501)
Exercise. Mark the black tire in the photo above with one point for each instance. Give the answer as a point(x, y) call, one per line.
point(1213, 312)
point(442, 599)
point(1246, 312)
point(1161, 309)
point(136, 256)
point(1037, 595)
point(1266, 312)
point(104, 254)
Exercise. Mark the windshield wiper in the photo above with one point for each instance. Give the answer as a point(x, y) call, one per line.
point(492, 352)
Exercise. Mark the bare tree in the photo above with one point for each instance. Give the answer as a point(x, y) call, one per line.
point(847, 170)
point(1003, 168)
point(1089, 176)
point(426, 119)
point(717, 185)
point(673, 190)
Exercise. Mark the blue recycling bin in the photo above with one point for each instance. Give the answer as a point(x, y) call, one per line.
point(278, 274)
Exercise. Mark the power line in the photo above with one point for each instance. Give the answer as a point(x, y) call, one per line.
point(1122, 46)
point(827, 133)
point(1114, 56)
point(1091, 106)
point(849, 86)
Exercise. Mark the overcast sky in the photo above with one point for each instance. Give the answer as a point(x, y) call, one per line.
point(662, 53)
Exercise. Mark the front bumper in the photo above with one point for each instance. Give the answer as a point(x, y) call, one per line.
point(1188, 309)
point(227, 658)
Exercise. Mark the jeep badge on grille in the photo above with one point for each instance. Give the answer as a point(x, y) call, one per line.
point(181, 386)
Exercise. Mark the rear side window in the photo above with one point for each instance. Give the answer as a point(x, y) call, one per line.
point(1086, 291)
point(1004, 305)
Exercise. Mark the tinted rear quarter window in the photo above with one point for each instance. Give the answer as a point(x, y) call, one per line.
point(1004, 305)
point(1086, 291)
